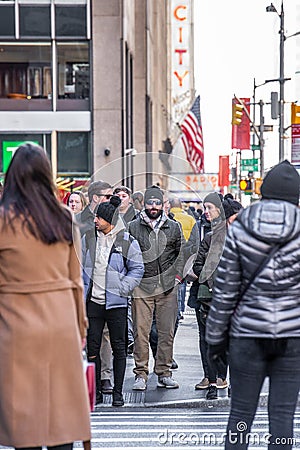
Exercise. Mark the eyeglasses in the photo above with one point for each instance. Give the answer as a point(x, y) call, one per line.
point(154, 202)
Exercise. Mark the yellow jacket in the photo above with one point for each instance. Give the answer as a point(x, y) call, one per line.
point(187, 222)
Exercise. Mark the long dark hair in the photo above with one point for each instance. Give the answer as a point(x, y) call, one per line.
point(29, 194)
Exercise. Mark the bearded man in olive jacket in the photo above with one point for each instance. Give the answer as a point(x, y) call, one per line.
point(162, 245)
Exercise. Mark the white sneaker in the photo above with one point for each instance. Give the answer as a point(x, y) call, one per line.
point(167, 382)
point(139, 384)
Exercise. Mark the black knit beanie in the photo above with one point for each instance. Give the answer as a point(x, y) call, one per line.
point(109, 210)
point(282, 182)
point(214, 198)
point(231, 207)
point(153, 192)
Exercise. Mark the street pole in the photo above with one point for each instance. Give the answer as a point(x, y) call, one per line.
point(261, 137)
point(253, 119)
point(281, 92)
point(261, 129)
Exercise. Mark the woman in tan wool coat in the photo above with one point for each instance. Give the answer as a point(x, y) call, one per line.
point(43, 392)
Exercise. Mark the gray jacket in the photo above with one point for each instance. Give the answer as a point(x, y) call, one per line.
point(271, 306)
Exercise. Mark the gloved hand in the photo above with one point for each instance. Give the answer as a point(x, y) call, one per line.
point(218, 351)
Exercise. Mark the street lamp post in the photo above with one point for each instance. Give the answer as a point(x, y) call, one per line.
point(281, 82)
point(261, 126)
point(281, 79)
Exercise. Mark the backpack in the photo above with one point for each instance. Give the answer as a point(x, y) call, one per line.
point(124, 240)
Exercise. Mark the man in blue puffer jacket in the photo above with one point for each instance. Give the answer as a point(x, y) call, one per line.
point(256, 307)
point(117, 269)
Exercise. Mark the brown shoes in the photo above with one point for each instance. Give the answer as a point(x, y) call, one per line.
point(222, 384)
point(203, 384)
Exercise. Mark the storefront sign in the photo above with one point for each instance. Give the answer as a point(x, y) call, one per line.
point(192, 187)
point(295, 157)
point(8, 150)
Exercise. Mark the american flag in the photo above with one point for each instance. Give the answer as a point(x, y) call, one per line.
point(192, 138)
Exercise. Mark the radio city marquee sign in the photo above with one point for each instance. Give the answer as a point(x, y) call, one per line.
point(182, 60)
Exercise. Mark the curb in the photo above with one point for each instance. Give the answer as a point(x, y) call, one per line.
point(138, 401)
point(203, 403)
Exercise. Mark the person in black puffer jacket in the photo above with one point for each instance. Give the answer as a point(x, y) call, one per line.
point(262, 325)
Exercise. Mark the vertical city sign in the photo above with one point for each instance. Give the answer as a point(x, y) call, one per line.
point(223, 179)
point(295, 154)
point(182, 80)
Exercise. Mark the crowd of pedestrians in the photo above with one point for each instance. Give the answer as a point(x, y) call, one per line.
point(112, 279)
point(173, 245)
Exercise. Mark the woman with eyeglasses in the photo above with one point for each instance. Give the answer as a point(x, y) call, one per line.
point(43, 392)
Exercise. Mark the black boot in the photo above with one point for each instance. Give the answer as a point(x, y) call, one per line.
point(212, 393)
point(117, 399)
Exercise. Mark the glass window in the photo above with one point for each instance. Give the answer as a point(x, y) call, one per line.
point(70, 21)
point(25, 71)
point(73, 150)
point(35, 21)
point(73, 71)
point(7, 21)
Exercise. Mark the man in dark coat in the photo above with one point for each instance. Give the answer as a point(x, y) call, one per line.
point(162, 245)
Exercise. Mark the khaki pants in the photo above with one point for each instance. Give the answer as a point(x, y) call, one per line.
point(166, 307)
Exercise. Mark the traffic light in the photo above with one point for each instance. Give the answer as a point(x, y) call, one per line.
point(257, 185)
point(246, 185)
point(295, 114)
point(237, 113)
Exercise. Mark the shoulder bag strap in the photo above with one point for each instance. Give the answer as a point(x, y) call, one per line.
point(264, 262)
point(260, 268)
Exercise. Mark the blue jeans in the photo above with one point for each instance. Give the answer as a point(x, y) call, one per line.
point(251, 360)
point(181, 297)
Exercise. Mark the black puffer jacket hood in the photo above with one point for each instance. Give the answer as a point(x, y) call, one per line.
point(283, 216)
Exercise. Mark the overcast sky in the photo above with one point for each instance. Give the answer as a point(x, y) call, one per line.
point(236, 41)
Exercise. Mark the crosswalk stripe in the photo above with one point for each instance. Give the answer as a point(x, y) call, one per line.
point(151, 430)
point(116, 430)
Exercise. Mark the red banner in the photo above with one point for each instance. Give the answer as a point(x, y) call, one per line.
point(240, 134)
point(223, 179)
point(295, 156)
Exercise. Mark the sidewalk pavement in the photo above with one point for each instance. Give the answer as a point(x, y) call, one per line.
point(189, 372)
